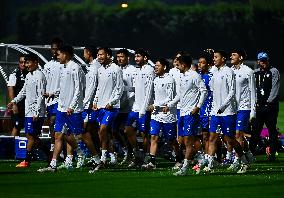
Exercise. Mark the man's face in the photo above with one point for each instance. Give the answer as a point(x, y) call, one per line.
point(22, 63)
point(31, 65)
point(180, 66)
point(87, 55)
point(202, 65)
point(235, 58)
point(103, 57)
point(218, 60)
point(54, 48)
point(159, 69)
point(263, 64)
point(122, 60)
point(61, 57)
point(140, 60)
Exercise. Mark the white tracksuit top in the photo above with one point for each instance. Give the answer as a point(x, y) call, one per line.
point(91, 84)
point(223, 86)
point(143, 89)
point(33, 90)
point(164, 92)
point(52, 72)
point(175, 73)
point(245, 88)
point(192, 92)
point(71, 88)
point(110, 86)
point(128, 96)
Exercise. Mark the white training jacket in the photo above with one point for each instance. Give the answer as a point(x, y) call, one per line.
point(164, 92)
point(245, 88)
point(128, 96)
point(175, 73)
point(110, 86)
point(52, 72)
point(71, 88)
point(143, 89)
point(33, 90)
point(91, 83)
point(223, 86)
point(192, 92)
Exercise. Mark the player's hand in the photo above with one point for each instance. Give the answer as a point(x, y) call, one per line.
point(95, 107)
point(10, 105)
point(151, 108)
point(166, 109)
point(45, 94)
point(15, 108)
point(195, 111)
point(69, 111)
point(35, 118)
point(108, 106)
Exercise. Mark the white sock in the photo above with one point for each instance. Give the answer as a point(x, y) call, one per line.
point(69, 159)
point(125, 151)
point(185, 164)
point(53, 163)
point(229, 155)
point(103, 157)
point(210, 161)
point(51, 147)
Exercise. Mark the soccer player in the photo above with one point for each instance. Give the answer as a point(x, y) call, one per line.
point(33, 90)
point(223, 86)
point(89, 115)
point(15, 84)
point(126, 100)
point(107, 99)
point(52, 71)
point(245, 98)
point(191, 95)
point(164, 93)
point(70, 107)
point(267, 103)
point(140, 112)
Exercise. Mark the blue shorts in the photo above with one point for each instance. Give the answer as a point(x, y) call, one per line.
point(169, 129)
point(142, 124)
point(89, 115)
point(188, 125)
point(227, 124)
point(52, 110)
point(73, 122)
point(106, 117)
point(242, 123)
point(33, 127)
point(204, 123)
point(178, 114)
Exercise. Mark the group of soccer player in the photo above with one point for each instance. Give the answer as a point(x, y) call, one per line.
point(192, 107)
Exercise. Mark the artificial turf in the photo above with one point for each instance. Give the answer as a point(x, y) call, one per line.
point(262, 180)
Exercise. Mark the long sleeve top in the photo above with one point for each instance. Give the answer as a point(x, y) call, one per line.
point(71, 88)
point(267, 86)
point(205, 109)
point(91, 84)
point(175, 73)
point(128, 96)
point(164, 92)
point(52, 72)
point(33, 90)
point(143, 89)
point(110, 86)
point(245, 88)
point(223, 86)
point(192, 92)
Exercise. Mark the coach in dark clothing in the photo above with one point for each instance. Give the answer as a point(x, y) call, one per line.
point(15, 84)
point(267, 103)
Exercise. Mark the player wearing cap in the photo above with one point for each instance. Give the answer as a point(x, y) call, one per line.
point(267, 80)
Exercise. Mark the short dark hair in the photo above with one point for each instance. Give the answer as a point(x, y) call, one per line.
point(165, 63)
point(92, 49)
point(240, 52)
point(31, 57)
point(183, 52)
point(123, 51)
point(223, 53)
point(67, 49)
point(22, 55)
point(106, 49)
point(143, 53)
point(207, 56)
point(185, 59)
point(57, 40)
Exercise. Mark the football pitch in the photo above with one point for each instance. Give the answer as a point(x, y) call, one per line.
point(262, 180)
